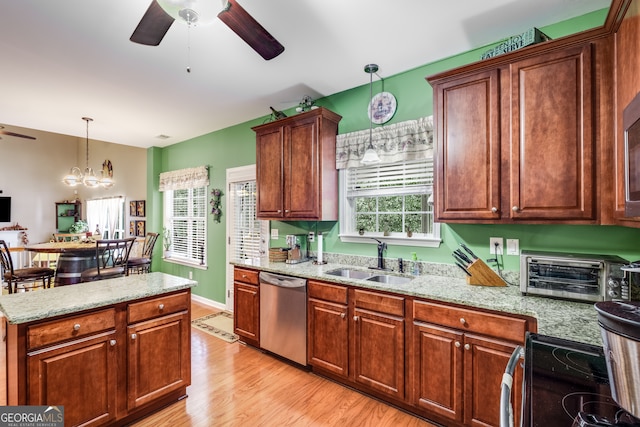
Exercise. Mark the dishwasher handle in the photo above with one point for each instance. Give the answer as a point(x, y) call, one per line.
point(282, 281)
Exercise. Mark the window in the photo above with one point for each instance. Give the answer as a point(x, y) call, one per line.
point(108, 216)
point(247, 230)
point(393, 200)
point(185, 214)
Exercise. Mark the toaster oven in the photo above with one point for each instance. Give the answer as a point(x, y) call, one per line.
point(578, 277)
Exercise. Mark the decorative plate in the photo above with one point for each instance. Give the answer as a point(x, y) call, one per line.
point(382, 107)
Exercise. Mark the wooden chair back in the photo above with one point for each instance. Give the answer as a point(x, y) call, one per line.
point(149, 243)
point(113, 253)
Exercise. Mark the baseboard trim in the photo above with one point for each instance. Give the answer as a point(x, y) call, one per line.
point(208, 302)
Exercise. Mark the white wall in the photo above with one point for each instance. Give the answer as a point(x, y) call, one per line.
point(31, 174)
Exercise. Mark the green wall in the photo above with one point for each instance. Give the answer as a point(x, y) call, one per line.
point(235, 146)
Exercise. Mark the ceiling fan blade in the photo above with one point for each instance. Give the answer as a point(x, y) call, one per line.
point(18, 135)
point(250, 30)
point(153, 26)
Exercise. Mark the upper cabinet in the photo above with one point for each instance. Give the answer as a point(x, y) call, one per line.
point(516, 139)
point(296, 170)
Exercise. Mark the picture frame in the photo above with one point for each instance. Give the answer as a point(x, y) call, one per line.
point(140, 228)
point(140, 206)
point(133, 208)
point(132, 228)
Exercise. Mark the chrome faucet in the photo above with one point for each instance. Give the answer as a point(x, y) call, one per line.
point(382, 246)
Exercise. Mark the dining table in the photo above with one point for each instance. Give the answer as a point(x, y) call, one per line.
point(74, 257)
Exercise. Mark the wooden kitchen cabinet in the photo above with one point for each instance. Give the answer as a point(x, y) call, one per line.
point(377, 341)
point(295, 167)
point(515, 142)
point(80, 374)
point(458, 356)
point(246, 305)
point(159, 336)
point(328, 331)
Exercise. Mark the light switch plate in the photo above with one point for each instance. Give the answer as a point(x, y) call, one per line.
point(513, 247)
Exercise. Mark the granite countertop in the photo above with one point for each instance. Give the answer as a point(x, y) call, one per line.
point(575, 321)
point(30, 306)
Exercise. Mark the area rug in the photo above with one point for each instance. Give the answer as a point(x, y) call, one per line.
point(220, 325)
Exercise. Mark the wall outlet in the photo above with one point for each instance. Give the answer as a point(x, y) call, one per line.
point(312, 236)
point(513, 247)
point(274, 233)
point(493, 249)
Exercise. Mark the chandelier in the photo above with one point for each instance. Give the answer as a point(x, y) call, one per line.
point(88, 178)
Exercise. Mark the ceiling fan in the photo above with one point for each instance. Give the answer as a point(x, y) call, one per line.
point(161, 13)
point(18, 135)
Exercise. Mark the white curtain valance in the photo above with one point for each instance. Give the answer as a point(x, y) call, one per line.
point(184, 178)
point(409, 140)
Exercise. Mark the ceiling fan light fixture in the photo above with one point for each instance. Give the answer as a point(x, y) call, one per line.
point(191, 12)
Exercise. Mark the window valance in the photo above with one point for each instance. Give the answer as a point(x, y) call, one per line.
point(409, 140)
point(184, 178)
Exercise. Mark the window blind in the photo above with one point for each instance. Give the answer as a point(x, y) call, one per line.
point(246, 228)
point(188, 224)
point(410, 177)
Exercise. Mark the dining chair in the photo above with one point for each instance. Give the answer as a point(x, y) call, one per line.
point(142, 264)
point(27, 277)
point(111, 259)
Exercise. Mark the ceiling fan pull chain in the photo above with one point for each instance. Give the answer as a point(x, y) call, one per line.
point(189, 47)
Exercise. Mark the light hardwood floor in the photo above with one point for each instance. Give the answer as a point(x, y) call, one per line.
point(237, 385)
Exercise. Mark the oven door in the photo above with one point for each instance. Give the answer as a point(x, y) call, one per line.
point(506, 406)
point(573, 280)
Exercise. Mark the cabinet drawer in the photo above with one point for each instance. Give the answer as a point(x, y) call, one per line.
point(55, 331)
point(245, 276)
point(327, 292)
point(492, 324)
point(160, 306)
point(379, 302)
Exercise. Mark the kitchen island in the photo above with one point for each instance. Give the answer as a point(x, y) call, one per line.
point(109, 351)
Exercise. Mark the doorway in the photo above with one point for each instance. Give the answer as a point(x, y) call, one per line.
point(247, 237)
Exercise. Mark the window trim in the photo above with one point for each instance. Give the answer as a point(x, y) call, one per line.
point(398, 239)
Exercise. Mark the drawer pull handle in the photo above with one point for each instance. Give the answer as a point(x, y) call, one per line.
point(355, 318)
point(494, 209)
point(76, 327)
point(112, 342)
point(457, 344)
point(463, 321)
point(134, 336)
point(515, 209)
point(343, 315)
point(467, 347)
point(244, 276)
point(161, 307)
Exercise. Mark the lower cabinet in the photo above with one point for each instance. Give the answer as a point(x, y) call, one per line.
point(246, 305)
point(442, 362)
point(458, 358)
point(106, 366)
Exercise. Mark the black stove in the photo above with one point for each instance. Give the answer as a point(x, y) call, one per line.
point(566, 384)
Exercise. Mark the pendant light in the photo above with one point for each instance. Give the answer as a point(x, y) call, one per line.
point(88, 178)
point(370, 154)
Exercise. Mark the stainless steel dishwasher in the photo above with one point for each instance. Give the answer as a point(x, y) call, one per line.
point(283, 316)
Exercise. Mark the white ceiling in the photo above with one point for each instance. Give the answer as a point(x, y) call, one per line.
point(61, 60)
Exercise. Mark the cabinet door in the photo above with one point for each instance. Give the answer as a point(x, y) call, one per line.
point(80, 375)
point(246, 309)
point(552, 167)
point(485, 360)
point(378, 353)
point(270, 173)
point(467, 169)
point(302, 192)
point(328, 337)
point(159, 359)
point(436, 370)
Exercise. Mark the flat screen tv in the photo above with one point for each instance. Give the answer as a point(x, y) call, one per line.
point(5, 209)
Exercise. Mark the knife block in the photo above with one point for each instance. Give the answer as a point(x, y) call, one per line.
point(483, 275)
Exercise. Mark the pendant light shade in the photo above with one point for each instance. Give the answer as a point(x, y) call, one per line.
point(88, 178)
point(370, 154)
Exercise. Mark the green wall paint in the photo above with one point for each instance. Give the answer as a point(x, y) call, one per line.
point(235, 146)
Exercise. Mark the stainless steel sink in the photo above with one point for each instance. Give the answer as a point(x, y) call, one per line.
point(390, 280)
point(350, 274)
